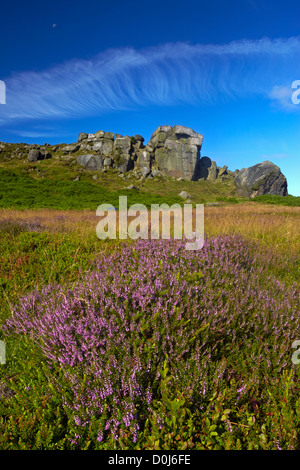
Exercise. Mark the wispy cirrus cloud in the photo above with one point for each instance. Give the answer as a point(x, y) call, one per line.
point(121, 79)
point(281, 98)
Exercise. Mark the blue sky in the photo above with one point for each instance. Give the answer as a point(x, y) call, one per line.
point(224, 69)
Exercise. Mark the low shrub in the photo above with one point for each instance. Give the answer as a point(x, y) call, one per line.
point(157, 348)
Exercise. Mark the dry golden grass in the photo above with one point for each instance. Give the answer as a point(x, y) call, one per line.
point(276, 226)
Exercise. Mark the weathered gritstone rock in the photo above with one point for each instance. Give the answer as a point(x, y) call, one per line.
point(173, 151)
point(82, 136)
point(71, 148)
point(144, 162)
point(104, 146)
point(107, 161)
point(223, 170)
point(38, 154)
point(123, 145)
point(176, 151)
point(45, 154)
point(212, 172)
point(260, 179)
point(124, 162)
point(90, 162)
point(34, 155)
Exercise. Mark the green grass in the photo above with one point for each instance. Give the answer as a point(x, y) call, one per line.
point(50, 184)
point(29, 260)
point(22, 191)
point(278, 200)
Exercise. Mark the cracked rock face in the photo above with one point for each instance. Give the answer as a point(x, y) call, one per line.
point(176, 151)
point(260, 179)
point(90, 162)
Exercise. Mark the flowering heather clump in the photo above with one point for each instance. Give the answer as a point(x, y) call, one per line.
point(14, 227)
point(210, 314)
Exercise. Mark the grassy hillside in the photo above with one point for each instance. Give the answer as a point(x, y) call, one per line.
point(143, 344)
point(61, 183)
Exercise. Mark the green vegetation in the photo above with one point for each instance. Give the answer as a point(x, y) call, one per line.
point(60, 183)
point(212, 342)
point(278, 200)
point(25, 192)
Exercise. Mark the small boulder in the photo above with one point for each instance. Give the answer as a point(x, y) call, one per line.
point(185, 195)
point(99, 134)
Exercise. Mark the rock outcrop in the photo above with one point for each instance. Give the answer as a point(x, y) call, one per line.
point(176, 151)
point(260, 179)
point(171, 152)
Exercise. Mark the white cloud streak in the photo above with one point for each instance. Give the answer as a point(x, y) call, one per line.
point(170, 74)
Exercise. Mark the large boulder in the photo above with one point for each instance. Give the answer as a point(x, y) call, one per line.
point(34, 155)
point(176, 151)
point(90, 162)
point(38, 154)
point(260, 179)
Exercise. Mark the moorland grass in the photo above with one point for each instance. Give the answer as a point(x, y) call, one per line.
point(24, 192)
point(278, 200)
point(62, 184)
point(248, 397)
